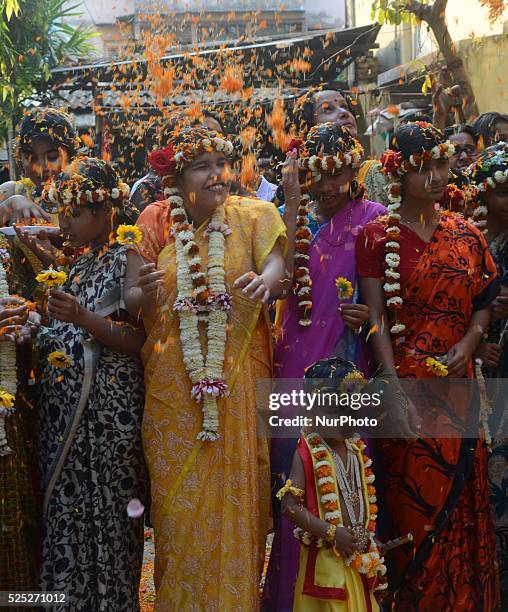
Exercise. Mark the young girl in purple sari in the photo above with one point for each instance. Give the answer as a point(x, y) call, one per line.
point(321, 318)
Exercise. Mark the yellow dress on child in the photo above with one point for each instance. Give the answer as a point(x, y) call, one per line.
point(325, 583)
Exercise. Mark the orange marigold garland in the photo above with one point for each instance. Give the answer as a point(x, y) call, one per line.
point(370, 561)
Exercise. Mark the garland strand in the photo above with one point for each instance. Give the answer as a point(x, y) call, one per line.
point(198, 300)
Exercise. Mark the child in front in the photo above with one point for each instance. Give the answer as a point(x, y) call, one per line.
point(331, 500)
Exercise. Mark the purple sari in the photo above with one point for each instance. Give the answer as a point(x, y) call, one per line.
point(332, 254)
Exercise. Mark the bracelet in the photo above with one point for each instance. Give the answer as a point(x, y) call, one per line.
point(330, 534)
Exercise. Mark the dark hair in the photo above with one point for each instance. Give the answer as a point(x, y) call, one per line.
point(415, 138)
point(211, 115)
point(328, 139)
point(491, 160)
point(484, 126)
point(415, 116)
point(461, 128)
point(51, 123)
point(303, 111)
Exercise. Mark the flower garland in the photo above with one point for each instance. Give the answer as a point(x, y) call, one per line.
point(329, 163)
point(369, 562)
point(80, 191)
point(303, 282)
point(195, 296)
point(394, 165)
point(8, 374)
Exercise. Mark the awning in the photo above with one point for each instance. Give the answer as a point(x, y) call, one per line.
point(268, 63)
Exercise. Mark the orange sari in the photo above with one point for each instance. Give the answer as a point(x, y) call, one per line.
point(210, 500)
point(436, 488)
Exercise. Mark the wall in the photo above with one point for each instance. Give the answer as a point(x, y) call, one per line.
point(485, 63)
point(401, 44)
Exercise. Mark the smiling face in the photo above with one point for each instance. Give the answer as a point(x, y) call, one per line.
point(331, 106)
point(332, 190)
point(205, 183)
point(43, 160)
point(426, 183)
point(83, 226)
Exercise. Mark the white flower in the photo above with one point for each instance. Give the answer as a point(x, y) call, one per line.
point(394, 230)
point(219, 144)
point(394, 216)
point(115, 193)
point(397, 328)
point(394, 207)
point(314, 162)
point(348, 159)
point(412, 160)
point(491, 182)
point(392, 259)
point(435, 152)
point(325, 480)
point(207, 143)
point(321, 464)
point(324, 165)
point(394, 301)
point(67, 196)
point(392, 274)
point(328, 497)
point(391, 244)
point(337, 162)
point(391, 287)
point(330, 516)
point(480, 211)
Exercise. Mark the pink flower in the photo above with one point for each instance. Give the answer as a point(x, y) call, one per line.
point(135, 508)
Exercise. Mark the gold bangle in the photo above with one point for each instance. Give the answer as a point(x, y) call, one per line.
point(330, 534)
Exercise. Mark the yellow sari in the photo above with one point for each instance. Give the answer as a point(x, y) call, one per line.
point(210, 500)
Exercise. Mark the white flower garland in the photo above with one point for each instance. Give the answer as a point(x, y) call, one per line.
point(8, 375)
point(194, 297)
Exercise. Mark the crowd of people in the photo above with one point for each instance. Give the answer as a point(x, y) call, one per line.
point(135, 324)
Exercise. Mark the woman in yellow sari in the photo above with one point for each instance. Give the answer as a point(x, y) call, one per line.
point(214, 260)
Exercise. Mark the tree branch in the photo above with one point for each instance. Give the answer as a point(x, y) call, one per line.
point(422, 11)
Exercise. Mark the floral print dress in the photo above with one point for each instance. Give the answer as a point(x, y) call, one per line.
point(89, 450)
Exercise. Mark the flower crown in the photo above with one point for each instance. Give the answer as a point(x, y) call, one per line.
point(395, 165)
point(488, 172)
point(190, 144)
point(80, 190)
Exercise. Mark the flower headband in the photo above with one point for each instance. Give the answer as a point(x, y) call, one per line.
point(488, 172)
point(79, 190)
point(187, 145)
point(348, 153)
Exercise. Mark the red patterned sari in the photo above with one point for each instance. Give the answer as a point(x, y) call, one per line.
point(436, 488)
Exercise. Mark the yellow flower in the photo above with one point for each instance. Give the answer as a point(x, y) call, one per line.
point(6, 399)
point(344, 288)
point(129, 234)
point(436, 367)
point(51, 277)
point(59, 360)
point(353, 382)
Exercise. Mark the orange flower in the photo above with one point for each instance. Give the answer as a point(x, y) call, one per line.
point(323, 471)
point(371, 490)
point(373, 509)
point(331, 506)
point(326, 488)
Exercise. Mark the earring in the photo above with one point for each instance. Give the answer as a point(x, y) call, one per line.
point(356, 190)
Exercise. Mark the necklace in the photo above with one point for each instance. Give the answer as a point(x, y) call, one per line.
point(350, 485)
